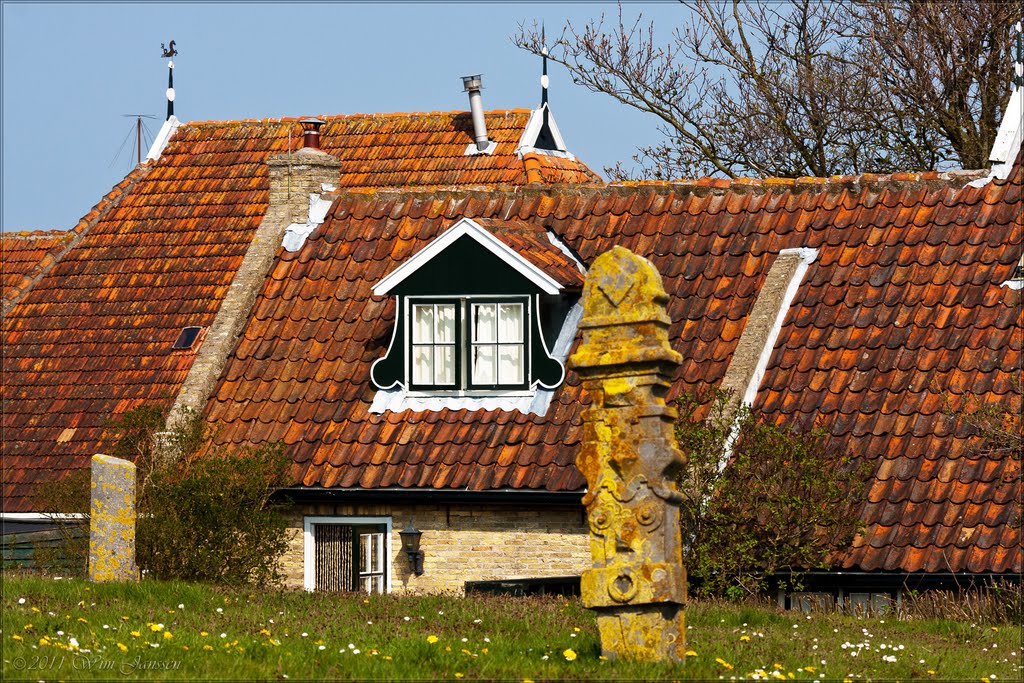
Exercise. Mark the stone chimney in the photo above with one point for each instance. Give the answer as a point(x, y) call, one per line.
point(295, 178)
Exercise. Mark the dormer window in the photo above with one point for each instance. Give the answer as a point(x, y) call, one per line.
point(478, 311)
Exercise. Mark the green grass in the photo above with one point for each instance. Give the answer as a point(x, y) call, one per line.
point(122, 631)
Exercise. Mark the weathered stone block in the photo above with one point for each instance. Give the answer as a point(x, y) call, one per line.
point(112, 522)
point(637, 582)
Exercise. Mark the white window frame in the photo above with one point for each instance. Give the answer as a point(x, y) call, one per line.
point(309, 550)
point(463, 344)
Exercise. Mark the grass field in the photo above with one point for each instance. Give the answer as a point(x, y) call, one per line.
point(71, 629)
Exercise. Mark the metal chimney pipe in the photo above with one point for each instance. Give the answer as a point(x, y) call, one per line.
point(311, 133)
point(473, 85)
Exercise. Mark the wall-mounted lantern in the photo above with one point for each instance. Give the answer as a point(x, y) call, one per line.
point(410, 536)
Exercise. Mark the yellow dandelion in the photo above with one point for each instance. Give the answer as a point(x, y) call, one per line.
point(458, 675)
point(44, 641)
point(264, 632)
point(240, 648)
point(791, 674)
point(274, 642)
point(432, 639)
point(447, 648)
point(135, 634)
point(124, 618)
point(691, 653)
point(744, 639)
point(931, 672)
point(83, 620)
point(602, 658)
point(167, 635)
point(29, 627)
point(994, 628)
point(569, 655)
point(185, 648)
point(208, 648)
point(810, 669)
point(527, 680)
point(724, 663)
point(36, 610)
point(203, 634)
point(16, 637)
point(388, 657)
point(484, 650)
point(778, 666)
point(122, 647)
point(156, 628)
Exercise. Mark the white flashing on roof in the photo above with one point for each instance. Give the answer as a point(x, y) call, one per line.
point(296, 233)
point(1008, 139)
point(1013, 284)
point(807, 257)
point(466, 227)
point(564, 248)
point(160, 142)
point(472, 150)
point(528, 140)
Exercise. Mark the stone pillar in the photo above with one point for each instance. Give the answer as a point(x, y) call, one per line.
point(637, 583)
point(112, 521)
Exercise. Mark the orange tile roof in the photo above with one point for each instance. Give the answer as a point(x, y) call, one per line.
point(92, 337)
point(902, 307)
point(21, 253)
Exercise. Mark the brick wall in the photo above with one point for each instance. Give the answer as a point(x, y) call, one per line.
point(465, 543)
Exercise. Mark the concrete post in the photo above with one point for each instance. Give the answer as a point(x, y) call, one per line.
point(637, 583)
point(112, 521)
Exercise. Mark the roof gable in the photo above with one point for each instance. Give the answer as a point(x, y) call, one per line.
point(501, 247)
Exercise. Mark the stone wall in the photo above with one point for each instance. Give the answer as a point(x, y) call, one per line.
point(465, 543)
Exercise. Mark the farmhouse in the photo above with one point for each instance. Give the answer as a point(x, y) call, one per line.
point(396, 300)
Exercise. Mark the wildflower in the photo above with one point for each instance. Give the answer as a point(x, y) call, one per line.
point(405, 618)
point(465, 640)
point(167, 635)
point(458, 675)
point(124, 618)
point(432, 639)
point(156, 628)
point(181, 606)
point(388, 657)
point(208, 648)
point(73, 642)
point(223, 635)
point(744, 638)
point(321, 647)
point(21, 601)
point(477, 621)
point(724, 663)
point(16, 637)
point(136, 634)
point(264, 632)
point(569, 655)
point(691, 653)
point(220, 610)
point(29, 627)
point(203, 634)
point(122, 647)
point(36, 610)
point(44, 641)
point(355, 651)
point(304, 634)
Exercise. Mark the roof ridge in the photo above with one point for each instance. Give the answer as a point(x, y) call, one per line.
point(339, 117)
point(35, 234)
point(961, 177)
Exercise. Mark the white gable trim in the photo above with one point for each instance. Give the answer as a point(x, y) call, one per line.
point(466, 227)
point(1008, 139)
point(528, 140)
point(160, 142)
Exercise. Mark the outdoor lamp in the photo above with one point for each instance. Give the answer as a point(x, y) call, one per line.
point(410, 536)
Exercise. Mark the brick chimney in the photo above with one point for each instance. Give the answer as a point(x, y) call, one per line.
point(294, 177)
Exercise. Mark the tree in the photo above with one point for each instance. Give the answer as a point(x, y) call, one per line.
point(760, 500)
point(810, 87)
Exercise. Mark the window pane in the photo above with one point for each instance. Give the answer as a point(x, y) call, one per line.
point(510, 322)
point(422, 370)
point(423, 323)
point(376, 584)
point(444, 370)
point(484, 322)
point(445, 324)
point(366, 552)
point(510, 364)
point(483, 365)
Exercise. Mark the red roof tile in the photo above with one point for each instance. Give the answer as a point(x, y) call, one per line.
point(902, 308)
point(90, 338)
point(21, 253)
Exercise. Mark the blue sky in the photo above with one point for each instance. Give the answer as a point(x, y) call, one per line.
point(72, 70)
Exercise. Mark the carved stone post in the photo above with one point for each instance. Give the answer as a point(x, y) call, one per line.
point(112, 520)
point(637, 584)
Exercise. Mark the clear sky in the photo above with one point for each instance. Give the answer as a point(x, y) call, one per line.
point(72, 70)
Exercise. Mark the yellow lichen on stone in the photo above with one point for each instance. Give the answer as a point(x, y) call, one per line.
point(112, 520)
point(637, 582)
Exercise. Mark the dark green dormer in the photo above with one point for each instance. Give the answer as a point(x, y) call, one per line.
point(477, 312)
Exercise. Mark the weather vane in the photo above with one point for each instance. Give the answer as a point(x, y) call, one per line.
point(168, 53)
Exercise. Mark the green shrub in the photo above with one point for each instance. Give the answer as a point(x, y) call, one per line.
point(203, 513)
point(760, 500)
